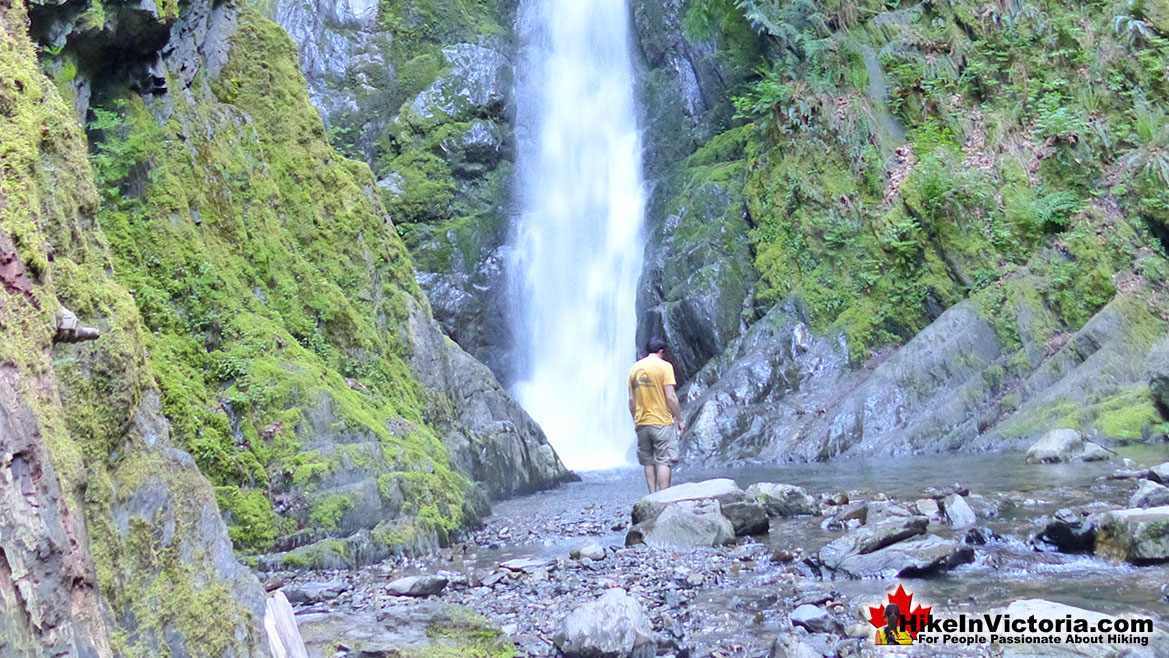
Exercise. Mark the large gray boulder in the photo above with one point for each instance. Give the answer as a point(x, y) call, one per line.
point(1149, 494)
point(1139, 536)
point(1157, 647)
point(613, 626)
point(419, 586)
point(686, 524)
point(746, 514)
point(908, 559)
point(870, 538)
point(958, 512)
point(720, 490)
point(1064, 445)
point(782, 500)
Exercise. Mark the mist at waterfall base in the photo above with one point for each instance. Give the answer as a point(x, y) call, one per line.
point(578, 243)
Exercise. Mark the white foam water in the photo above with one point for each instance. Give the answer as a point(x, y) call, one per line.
point(578, 244)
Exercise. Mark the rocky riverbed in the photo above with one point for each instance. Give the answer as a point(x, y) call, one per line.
point(541, 557)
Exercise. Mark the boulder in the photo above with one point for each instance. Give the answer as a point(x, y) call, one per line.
point(908, 559)
point(1041, 609)
point(1149, 494)
point(958, 512)
point(525, 565)
point(398, 629)
point(1160, 473)
point(613, 626)
point(417, 586)
point(791, 646)
point(879, 511)
point(746, 517)
point(783, 500)
point(685, 524)
point(590, 549)
point(1064, 445)
point(870, 538)
point(723, 490)
point(815, 619)
point(315, 592)
point(1069, 532)
point(928, 507)
point(1139, 536)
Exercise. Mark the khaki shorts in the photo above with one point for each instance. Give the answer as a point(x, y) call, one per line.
point(657, 444)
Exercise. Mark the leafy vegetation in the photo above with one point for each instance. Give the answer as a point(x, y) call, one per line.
point(914, 154)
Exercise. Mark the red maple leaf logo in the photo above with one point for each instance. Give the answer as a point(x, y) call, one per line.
point(910, 622)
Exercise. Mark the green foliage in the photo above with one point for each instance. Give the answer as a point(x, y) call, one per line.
point(274, 289)
point(252, 524)
point(1012, 117)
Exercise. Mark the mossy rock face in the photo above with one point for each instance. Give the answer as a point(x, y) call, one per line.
point(699, 267)
point(286, 324)
point(125, 542)
point(1138, 536)
point(274, 292)
point(435, 127)
point(1158, 370)
point(886, 184)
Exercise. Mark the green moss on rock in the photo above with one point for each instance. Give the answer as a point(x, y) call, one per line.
point(274, 287)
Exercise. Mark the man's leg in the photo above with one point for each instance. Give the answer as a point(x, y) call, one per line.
point(651, 478)
point(662, 476)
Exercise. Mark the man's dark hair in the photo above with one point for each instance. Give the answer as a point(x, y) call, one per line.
point(655, 345)
point(893, 611)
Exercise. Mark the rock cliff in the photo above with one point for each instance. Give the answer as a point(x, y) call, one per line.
point(892, 242)
point(297, 360)
point(110, 539)
point(421, 90)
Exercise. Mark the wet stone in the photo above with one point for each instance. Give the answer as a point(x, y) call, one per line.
point(417, 586)
point(314, 592)
point(590, 550)
point(1149, 494)
point(958, 512)
point(815, 619)
point(1069, 532)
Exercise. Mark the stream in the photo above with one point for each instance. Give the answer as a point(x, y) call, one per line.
point(734, 600)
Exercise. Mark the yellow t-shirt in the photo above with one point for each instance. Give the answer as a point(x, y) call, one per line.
point(648, 379)
point(899, 637)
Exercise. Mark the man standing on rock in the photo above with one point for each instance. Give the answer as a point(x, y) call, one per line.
point(655, 410)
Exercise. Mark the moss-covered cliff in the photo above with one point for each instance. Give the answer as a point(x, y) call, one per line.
point(285, 319)
point(421, 90)
point(295, 354)
point(886, 162)
point(110, 539)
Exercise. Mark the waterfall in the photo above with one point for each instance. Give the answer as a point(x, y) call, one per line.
point(577, 249)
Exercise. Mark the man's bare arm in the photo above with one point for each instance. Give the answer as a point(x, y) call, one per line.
point(675, 407)
point(632, 405)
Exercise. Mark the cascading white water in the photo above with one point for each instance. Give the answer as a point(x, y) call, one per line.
point(578, 247)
